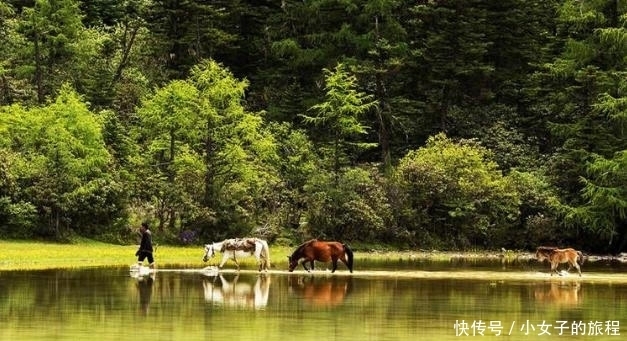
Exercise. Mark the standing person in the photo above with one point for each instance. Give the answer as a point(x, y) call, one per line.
point(145, 247)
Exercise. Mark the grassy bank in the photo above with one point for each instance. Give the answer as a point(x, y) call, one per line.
point(29, 255)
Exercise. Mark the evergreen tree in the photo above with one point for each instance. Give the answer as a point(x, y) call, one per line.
point(61, 164)
point(196, 131)
point(451, 44)
point(586, 84)
point(340, 116)
point(7, 48)
point(185, 32)
point(99, 13)
point(51, 27)
point(381, 57)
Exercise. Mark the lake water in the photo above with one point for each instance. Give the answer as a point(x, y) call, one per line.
point(384, 301)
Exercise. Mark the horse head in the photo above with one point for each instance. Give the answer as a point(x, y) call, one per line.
point(544, 252)
point(209, 252)
point(293, 263)
point(540, 256)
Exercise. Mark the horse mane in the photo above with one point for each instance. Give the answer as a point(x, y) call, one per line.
point(299, 249)
point(546, 248)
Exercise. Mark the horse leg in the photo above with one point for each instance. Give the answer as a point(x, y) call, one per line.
point(312, 264)
point(224, 259)
point(235, 260)
point(334, 261)
point(257, 254)
point(266, 263)
point(262, 263)
point(573, 263)
point(304, 266)
point(553, 267)
point(343, 259)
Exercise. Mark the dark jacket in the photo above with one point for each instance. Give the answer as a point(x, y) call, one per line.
point(146, 243)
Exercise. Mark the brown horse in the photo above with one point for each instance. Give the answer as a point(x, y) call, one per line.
point(323, 252)
point(557, 256)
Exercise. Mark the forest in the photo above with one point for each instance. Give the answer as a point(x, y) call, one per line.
point(423, 124)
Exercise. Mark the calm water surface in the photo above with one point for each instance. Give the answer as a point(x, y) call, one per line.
point(108, 304)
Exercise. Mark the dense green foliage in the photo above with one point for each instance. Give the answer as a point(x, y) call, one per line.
point(448, 124)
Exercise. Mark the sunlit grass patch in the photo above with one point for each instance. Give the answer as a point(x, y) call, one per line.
point(43, 255)
point(30, 255)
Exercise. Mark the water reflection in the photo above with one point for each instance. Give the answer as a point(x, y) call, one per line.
point(238, 292)
point(320, 291)
point(105, 303)
point(562, 293)
point(144, 286)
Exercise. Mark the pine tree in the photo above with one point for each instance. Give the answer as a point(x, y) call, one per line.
point(586, 86)
point(50, 27)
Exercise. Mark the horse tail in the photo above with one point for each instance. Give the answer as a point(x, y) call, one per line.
point(265, 253)
point(349, 256)
point(580, 258)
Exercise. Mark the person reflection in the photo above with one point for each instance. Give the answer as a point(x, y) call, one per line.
point(144, 286)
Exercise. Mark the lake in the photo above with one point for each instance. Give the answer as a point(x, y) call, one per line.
point(379, 301)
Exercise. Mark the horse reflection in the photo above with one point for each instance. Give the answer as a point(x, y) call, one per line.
point(321, 292)
point(559, 293)
point(236, 293)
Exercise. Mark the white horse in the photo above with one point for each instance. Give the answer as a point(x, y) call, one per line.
point(240, 248)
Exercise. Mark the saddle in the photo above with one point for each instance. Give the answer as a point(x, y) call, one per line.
point(238, 244)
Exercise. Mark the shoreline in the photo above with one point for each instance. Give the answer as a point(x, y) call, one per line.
point(29, 255)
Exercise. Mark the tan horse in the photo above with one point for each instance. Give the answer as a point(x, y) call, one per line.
point(557, 256)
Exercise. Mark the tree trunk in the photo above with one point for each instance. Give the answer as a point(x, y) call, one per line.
point(125, 53)
point(6, 98)
point(171, 175)
point(384, 134)
point(38, 72)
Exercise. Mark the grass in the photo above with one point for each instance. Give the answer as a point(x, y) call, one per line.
point(31, 255)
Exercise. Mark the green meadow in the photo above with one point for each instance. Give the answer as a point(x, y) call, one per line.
point(30, 255)
point(33, 255)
